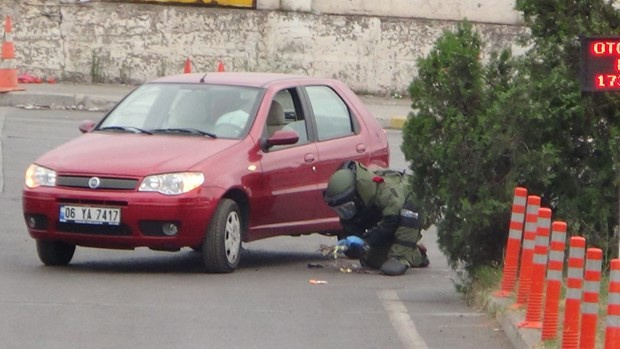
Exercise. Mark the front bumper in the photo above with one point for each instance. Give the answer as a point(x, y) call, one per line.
point(143, 216)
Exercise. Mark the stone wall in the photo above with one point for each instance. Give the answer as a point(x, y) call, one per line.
point(131, 43)
point(482, 11)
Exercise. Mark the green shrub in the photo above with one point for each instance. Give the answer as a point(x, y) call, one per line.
point(478, 130)
point(450, 141)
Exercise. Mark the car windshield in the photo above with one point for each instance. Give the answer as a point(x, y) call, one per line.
point(217, 111)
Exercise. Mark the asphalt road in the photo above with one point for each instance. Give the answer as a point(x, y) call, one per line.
point(148, 299)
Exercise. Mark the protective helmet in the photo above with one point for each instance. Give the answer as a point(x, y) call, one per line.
point(340, 193)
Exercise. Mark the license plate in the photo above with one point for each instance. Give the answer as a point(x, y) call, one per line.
point(90, 215)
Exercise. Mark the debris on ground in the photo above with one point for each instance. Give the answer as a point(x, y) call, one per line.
point(78, 107)
point(339, 261)
point(26, 78)
point(334, 251)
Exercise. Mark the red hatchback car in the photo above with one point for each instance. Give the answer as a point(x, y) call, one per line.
point(204, 161)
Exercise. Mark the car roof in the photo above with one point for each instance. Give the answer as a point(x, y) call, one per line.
point(233, 78)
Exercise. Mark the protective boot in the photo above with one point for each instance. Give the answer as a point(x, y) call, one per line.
point(394, 267)
point(425, 262)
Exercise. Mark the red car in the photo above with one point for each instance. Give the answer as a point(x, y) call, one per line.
point(204, 161)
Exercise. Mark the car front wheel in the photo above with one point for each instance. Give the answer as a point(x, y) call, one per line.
point(221, 248)
point(55, 253)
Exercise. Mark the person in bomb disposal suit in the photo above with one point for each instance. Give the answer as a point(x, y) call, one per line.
point(378, 216)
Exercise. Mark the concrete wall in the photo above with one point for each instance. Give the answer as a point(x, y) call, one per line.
point(132, 43)
point(483, 11)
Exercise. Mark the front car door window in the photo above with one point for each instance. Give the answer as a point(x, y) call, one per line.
point(286, 114)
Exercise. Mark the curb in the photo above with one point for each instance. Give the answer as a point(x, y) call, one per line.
point(38, 100)
point(397, 122)
point(391, 122)
point(509, 318)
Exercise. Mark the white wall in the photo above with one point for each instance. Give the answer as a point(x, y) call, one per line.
point(132, 43)
point(483, 11)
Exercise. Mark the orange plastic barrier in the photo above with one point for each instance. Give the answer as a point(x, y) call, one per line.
point(8, 71)
point(533, 314)
point(8, 49)
point(188, 66)
point(527, 253)
point(612, 328)
point(513, 246)
point(591, 289)
point(554, 281)
point(574, 281)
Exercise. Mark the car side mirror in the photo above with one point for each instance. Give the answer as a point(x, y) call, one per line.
point(87, 126)
point(280, 137)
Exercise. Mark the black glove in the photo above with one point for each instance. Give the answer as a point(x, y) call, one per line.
point(375, 237)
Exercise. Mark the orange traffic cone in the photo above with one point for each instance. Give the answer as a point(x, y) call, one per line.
point(220, 67)
point(8, 71)
point(188, 66)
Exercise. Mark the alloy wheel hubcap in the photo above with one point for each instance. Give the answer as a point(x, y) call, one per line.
point(232, 238)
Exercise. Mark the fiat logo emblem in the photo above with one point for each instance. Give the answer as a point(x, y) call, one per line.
point(94, 182)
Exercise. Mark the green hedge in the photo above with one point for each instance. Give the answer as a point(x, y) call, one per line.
point(480, 128)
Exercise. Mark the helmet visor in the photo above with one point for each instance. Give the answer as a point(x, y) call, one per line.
point(346, 210)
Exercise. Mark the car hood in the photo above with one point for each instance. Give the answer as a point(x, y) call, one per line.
point(105, 153)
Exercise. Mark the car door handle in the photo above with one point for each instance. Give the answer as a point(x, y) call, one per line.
point(309, 158)
point(360, 148)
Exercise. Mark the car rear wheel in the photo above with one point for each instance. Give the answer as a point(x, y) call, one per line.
point(221, 248)
point(55, 253)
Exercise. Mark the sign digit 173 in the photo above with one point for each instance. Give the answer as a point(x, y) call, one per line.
point(607, 81)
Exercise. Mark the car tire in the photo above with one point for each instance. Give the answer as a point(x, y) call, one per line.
point(221, 248)
point(55, 253)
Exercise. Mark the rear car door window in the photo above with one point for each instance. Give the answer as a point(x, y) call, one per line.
point(332, 116)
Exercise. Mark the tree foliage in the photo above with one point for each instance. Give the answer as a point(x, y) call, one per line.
point(479, 129)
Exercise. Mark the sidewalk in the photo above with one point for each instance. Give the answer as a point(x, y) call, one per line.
point(390, 112)
point(65, 96)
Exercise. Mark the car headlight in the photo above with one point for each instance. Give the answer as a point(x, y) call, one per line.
point(172, 183)
point(40, 176)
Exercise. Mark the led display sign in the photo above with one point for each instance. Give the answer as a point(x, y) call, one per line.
point(600, 63)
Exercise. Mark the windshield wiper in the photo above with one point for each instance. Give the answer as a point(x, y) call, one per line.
point(126, 128)
point(193, 131)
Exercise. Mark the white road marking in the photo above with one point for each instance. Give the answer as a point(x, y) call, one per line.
point(399, 317)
